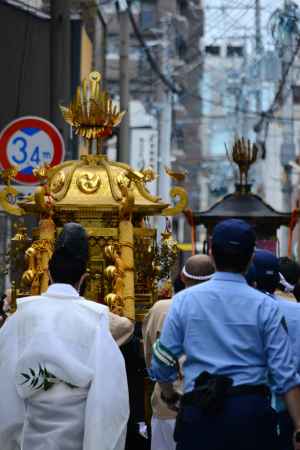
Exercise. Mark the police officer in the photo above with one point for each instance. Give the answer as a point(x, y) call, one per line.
point(233, 338)
point(197, 269)
point(289, 283)
point(267, 277)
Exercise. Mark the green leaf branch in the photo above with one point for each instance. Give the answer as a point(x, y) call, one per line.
point(41, 379)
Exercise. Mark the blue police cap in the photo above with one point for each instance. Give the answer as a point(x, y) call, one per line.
point(251, 275)
point(234, 234)
point(267, 270)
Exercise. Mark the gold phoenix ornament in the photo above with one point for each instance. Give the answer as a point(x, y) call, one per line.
point(92, 114)
point(8, 196)
point(244, 154)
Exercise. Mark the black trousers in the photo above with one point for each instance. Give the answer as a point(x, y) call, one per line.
point(247, 423)
point(134, 440)
point(286, 430)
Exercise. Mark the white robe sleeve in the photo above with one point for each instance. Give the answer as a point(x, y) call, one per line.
point(12, 409)
point(107, 408)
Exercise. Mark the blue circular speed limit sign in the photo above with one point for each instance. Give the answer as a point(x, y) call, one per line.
point(30, 142)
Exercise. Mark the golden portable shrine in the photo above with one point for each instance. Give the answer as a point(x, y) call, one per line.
point(110, 199)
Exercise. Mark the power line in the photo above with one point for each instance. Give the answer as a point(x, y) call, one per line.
point(276, 102)
point(215, 19)
point(235, 19)
point(223, 35)
point(225, 24)
point(170, 85)
point(182, 91)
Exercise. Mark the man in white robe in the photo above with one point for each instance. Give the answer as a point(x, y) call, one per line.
point(63, 381)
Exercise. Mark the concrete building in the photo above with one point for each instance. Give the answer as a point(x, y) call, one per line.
point(221, 120)
point(229, 86)
point(144, 141)
point(184, 61)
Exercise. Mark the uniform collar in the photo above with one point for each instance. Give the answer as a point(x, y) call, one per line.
point(61, 290)
point(229, 276)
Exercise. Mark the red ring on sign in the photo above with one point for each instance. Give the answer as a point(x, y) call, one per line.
point(31, 122)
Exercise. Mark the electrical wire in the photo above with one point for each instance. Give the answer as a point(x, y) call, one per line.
point(276, 102)
point(234, 20)
point(219, 16)
point(222, 36)
point(170, 85)
point(181, 90)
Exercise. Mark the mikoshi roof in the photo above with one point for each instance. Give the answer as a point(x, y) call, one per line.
point(247, 206)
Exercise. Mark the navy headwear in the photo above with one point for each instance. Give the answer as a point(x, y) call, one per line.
point(73, 241)
point(267, 270)
point(251, 275)
point(234, 234)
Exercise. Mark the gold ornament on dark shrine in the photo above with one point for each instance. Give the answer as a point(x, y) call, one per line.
point(244, 154)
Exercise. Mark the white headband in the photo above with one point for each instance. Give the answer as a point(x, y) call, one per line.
point(287, 286)
point(196, 277)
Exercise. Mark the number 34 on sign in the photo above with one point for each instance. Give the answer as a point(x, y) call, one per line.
point(30, 142)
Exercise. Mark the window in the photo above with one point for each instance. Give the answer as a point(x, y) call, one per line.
point(183, 6)
point(296, 94)
point(235, 50)
point(147, 16)
point(213, 50)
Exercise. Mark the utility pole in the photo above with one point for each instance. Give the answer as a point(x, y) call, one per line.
point(164, 118)
point(60, 66)
point(258, 93)
point(124, 136)
point(258, 50)
point(244, 103)
point(288, 145)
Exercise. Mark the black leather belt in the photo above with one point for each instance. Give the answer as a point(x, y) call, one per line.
point(250, 389)
point(193, 397)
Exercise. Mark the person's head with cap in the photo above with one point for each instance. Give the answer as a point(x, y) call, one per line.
point(69, 260)
point(267, 271)
point(233, 243)
point(289, 276)
point(197, 269)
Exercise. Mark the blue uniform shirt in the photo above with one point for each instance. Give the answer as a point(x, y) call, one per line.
point(291, 313)
point(225, 327)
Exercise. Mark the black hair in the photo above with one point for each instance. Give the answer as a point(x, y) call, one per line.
point(2, 297)
point(64, 268)
point(231, 260)
point(178, 284)
point(289, 269)
point(267, 284)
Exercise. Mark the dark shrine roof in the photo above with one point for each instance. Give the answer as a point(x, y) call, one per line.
point(241, 206)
